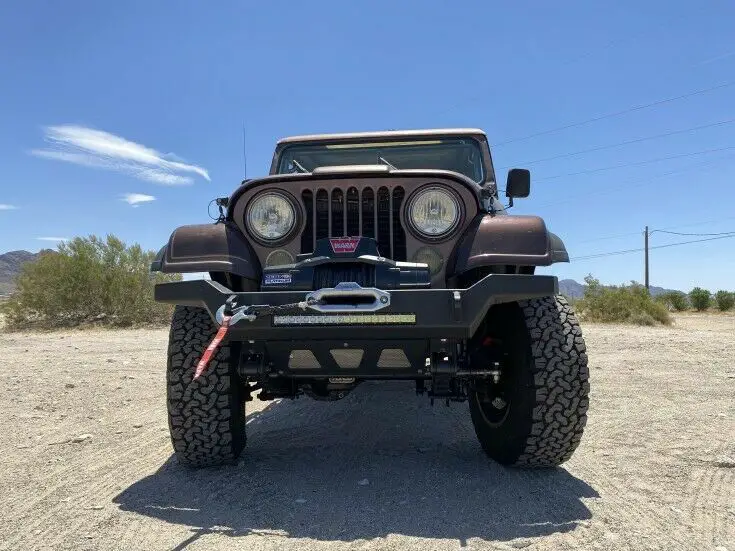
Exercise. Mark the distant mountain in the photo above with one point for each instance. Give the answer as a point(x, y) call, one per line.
point(570, 288)
point(655, 291)
point(574, 289)
point(10, 266)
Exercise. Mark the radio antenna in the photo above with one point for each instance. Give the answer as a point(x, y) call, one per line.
point(244, 153)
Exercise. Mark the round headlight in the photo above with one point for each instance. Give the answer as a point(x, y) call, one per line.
point(270, 216)
point(434, 212)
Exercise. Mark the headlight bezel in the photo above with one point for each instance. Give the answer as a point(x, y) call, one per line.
point(429, 238)
point(289, 235)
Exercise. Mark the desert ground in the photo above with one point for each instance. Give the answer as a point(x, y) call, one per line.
point(87, 462)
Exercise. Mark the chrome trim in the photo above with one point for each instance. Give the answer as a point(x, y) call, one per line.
point(381, 299)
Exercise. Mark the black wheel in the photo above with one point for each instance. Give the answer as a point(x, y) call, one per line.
point(533, 414)
point(206, 417)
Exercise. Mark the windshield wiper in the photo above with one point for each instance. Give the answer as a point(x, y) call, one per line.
point(298, 165)
point(393, 167)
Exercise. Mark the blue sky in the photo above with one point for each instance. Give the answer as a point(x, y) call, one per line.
point(167, 87)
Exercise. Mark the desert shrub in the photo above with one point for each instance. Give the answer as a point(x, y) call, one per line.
point(674, 300)
point(700, 298)
point(724, 300)
point(641, 318)
point(625, 304)
point(87, 279)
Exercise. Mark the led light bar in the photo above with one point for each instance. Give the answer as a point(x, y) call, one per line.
point(358, 145)
point(347, 319)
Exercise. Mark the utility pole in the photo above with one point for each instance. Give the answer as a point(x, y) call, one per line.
point(645, 248)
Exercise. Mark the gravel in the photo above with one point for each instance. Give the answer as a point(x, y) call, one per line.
point(654, 470)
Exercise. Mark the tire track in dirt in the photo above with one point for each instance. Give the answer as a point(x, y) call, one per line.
point(712, 495)
point(100, 474)
point(660, 415)
point(102, 468)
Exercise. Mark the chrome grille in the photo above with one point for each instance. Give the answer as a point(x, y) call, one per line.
point(368, 212)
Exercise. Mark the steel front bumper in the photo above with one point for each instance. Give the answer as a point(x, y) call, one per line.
point(408, 314)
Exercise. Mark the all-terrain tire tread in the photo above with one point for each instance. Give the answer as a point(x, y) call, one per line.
point(561, 378)
point(206, 417)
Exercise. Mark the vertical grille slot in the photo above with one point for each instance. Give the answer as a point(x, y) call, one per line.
point(383, 212)
point(398, 235)
point(338, 226)
point(368, 212)
point(307, 238)
point(322, 214)
point(353, 212)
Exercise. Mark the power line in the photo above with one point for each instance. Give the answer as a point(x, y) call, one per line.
point(689, 225)
point(619, 144)
point(617, 113)
point(569, 61)
point(693, 234)
point(645, 181)
point(588, 53)
point(662, 230)
point(627, 251)
point(611, 253)
point(609, 237)
point(638, 163)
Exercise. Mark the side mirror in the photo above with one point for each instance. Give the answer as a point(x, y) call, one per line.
point(519, 183)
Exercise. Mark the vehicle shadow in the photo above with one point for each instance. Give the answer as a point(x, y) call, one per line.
point(379, 462)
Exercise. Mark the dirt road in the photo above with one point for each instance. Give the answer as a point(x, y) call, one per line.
point(86, 460)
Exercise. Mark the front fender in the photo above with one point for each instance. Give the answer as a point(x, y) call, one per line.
point(208, 248)
point(508, 240)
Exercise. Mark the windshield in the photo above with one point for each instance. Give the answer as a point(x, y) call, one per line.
point(461, 155)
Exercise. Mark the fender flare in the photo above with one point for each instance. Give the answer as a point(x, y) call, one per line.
point(517, 240)
point(216, 247)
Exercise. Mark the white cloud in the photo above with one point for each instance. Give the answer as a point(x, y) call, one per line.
point(4, 206)
point(135, 199)
point(98, 149)
point(52, 238)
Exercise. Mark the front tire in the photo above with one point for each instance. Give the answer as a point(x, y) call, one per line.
point(545, 386)
point(206, 417)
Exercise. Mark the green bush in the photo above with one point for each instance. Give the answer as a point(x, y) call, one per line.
point(700, 298)
point(87, 280)
point(725, 300)
point(674, 300)
point(625, 304)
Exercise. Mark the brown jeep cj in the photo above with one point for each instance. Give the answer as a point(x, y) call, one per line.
point(381, 255)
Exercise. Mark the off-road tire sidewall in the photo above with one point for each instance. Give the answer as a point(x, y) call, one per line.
point(549, 391)
point(206, 417)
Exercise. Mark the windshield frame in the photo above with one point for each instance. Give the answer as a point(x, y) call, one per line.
point(486, 169)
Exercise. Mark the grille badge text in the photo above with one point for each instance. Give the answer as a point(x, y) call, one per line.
point(344, 244)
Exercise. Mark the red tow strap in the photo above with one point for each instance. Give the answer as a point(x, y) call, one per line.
point(213, 346)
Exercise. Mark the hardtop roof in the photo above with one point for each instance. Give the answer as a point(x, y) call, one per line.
point(386, 134)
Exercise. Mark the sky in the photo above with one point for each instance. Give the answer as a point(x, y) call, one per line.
point(127, 118)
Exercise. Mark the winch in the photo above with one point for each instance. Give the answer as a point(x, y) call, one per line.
point(345, 259)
